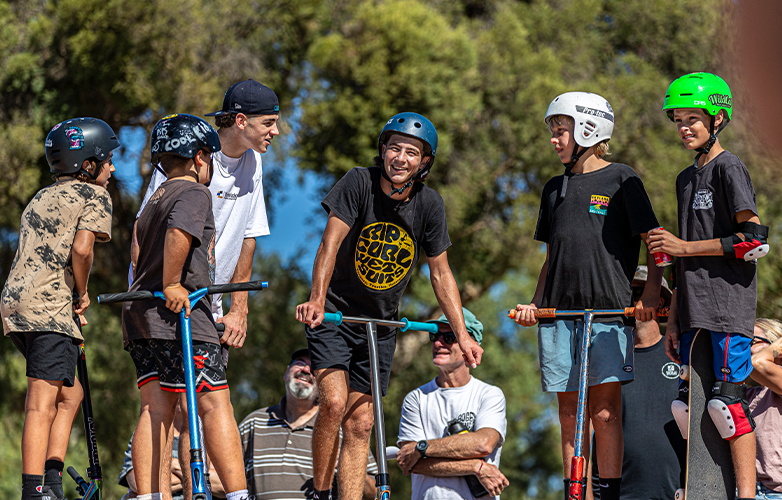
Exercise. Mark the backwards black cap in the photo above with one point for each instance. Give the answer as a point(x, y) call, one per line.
point(250, 98)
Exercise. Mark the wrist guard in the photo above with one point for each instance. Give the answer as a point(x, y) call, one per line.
point(748, 244)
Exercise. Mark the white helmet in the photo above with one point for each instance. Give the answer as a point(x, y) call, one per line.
point(593, 116)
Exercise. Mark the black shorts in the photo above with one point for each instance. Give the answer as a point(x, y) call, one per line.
point(340, 347)
point(161, 360)
point(49, 355)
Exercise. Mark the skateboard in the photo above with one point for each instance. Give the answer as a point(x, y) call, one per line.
point(710, 473)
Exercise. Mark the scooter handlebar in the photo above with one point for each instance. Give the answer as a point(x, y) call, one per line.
point(108, 298)
point(549, 312)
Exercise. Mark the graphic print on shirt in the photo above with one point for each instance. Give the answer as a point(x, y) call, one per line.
point(670, 370)
point(384, 255)
point(703, 200)
point(211, 257)
point(468, 419)
point(599, 204)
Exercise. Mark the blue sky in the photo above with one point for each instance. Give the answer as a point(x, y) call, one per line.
point(298, 220)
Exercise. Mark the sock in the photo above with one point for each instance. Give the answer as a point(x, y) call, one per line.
point(150, 496)
point(319, 495)
point(609, 488)
point(53, 477)
point(567, 488)
point(31, 486)
point(237, 495)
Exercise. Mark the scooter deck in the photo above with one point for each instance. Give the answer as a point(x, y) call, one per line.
point(710, 472)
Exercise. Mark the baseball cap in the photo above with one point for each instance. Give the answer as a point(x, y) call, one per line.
point(251, 98)
point(300, 353)
point(474, 327)
point(640, 277)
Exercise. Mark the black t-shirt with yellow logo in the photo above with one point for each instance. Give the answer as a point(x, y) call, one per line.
point(376, 259)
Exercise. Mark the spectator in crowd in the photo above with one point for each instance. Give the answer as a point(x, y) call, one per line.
point(452, 428)
point(655, 452)
point(765, 406)
point(277, 440)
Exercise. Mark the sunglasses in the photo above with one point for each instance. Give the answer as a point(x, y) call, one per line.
point(759, 340)
point(448, 337)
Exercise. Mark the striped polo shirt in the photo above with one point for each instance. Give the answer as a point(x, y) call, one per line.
point(278, 458)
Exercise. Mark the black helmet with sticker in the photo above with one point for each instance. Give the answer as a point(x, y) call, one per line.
point(182, 135)
point(71, 142)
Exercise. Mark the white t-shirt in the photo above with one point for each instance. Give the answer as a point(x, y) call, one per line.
point(239, 211)
point(425, 415)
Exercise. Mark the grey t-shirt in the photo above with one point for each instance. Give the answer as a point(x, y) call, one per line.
point(186, 206)
point(716, 293)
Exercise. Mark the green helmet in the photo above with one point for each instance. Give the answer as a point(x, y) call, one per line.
point(699, 90)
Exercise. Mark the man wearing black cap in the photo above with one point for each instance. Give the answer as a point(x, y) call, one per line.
point(277, 441)
point(654, 450)
point(247, 123)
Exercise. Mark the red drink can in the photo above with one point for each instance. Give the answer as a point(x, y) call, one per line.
point(662, 259)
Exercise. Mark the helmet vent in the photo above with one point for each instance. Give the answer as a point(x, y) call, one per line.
point(417, 125)
point(686, 94)
point(589, 128)
point(401, 120)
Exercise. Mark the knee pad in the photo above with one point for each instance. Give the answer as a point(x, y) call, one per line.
point(681, 409)
point(729, 410)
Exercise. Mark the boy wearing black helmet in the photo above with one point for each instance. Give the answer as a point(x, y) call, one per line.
point(379, 221)
point(716, 272)
point(48, 284)
point(592, 220)
point(175, 235)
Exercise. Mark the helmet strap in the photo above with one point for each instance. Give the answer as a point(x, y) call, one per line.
point(704, 150)
point(576, 155)
point(94, 177)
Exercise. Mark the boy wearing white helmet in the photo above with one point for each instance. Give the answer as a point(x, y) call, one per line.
point(592, 220)
point(716, 272)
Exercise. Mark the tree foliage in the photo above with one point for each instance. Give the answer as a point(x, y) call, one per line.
point(483, 71)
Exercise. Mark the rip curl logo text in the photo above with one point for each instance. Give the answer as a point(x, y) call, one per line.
point(75, 137)
point(722, 100)
point(384, 255)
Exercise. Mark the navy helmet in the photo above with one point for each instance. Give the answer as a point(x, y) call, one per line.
point(413, 125)
point(182, 135)
point(71, 142)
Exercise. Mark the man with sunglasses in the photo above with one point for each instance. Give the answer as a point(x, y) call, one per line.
point(453, 426)
point(654, 451)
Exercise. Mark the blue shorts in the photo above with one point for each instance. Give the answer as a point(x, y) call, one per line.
point(732, 357)
point(610, 354)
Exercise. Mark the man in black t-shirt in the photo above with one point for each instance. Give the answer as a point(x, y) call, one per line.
point(655, 453)
point(379, 220)
point(175, 235)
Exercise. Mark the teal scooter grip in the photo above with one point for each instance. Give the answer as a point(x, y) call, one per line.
point(335, 318)
point(418, 326)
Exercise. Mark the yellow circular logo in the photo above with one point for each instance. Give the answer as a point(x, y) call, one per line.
point(384, 255)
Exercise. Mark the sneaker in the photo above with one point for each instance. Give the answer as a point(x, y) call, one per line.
point(48, 494)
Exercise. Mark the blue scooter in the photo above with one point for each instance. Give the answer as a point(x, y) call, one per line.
point(197, 468)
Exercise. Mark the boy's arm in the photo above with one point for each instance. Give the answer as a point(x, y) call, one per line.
point(646, 307)
point(81, 258)
point(766, 371)
point(177, 246)
point(672, 333)
point(311, 312)
point(447, 294)
point(661, 240)
point(525, 315)
point(134, 249)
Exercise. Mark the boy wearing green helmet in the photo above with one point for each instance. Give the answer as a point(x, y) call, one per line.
point(716, 274)
point(380, 221)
